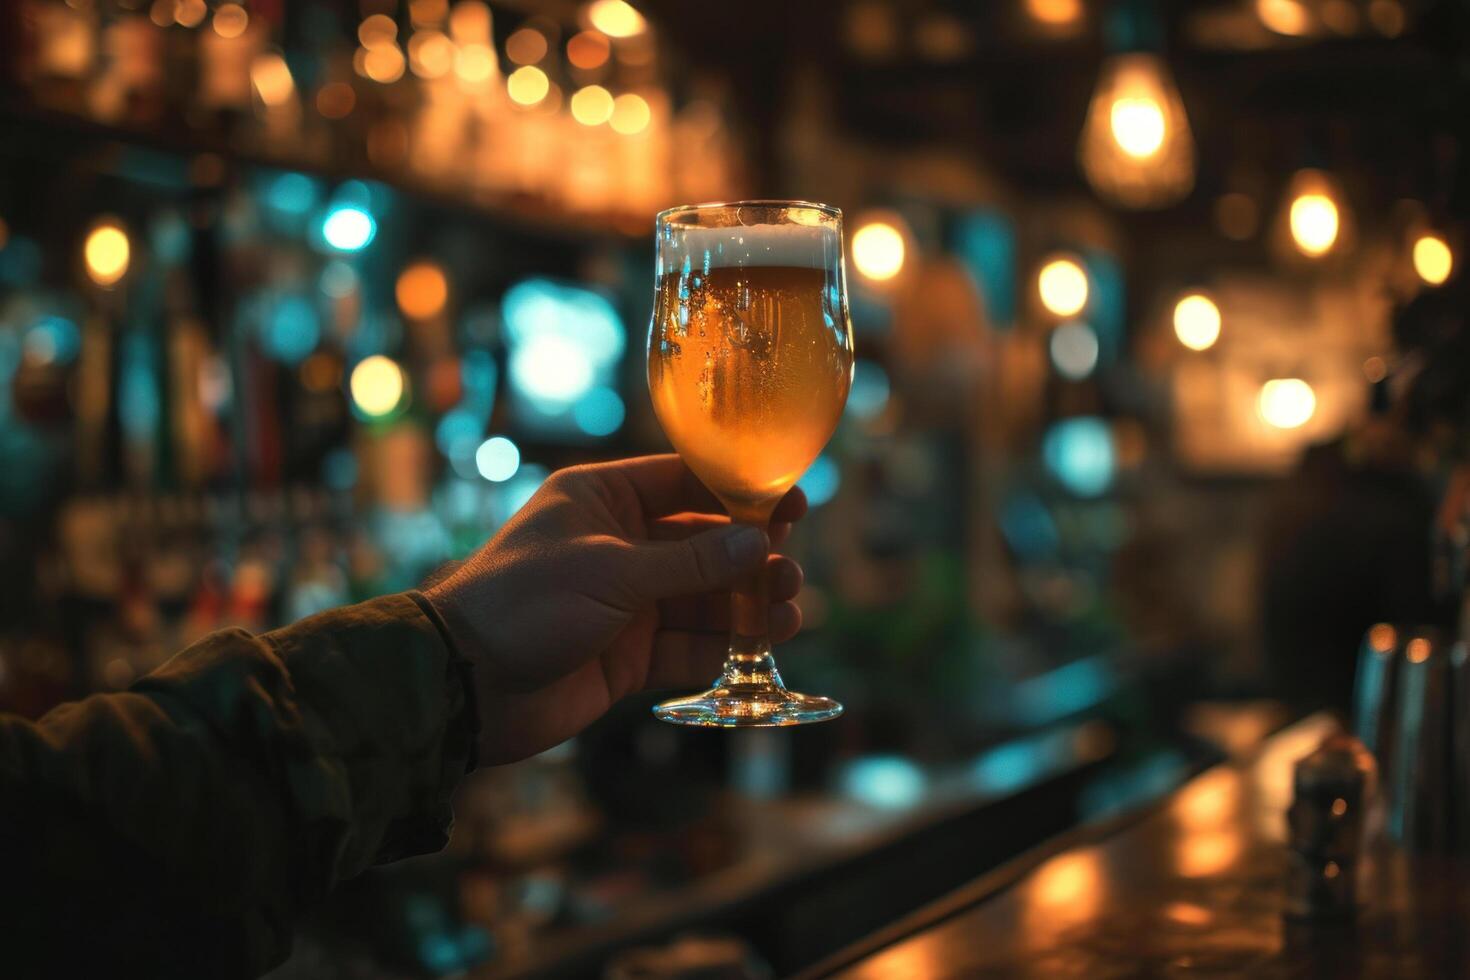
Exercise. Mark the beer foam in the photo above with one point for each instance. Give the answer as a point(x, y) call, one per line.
point(744, 246)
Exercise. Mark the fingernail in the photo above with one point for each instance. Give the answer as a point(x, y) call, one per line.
point(745, 545)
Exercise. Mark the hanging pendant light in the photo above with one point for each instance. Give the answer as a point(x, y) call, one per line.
point(1136, 147)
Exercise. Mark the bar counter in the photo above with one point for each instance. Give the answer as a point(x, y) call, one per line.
point(1193, 888)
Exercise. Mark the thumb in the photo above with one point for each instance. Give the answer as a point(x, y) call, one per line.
point(706, 562)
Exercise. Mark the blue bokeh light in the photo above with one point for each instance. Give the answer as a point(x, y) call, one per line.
point(458, 434)
point(889, 782)
point(870, 390)
point(53, 340)
point(563, 340)
point(291, 329)
point(821, 480)
point(292, 194)
point(497, 459)
point(348, 228)
point(1079, 453)
point(600, 413)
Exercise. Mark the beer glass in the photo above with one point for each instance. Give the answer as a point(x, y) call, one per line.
point(749, 364)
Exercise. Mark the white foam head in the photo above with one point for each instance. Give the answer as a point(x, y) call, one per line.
point(745, 246)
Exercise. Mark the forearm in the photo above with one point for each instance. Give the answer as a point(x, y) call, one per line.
point(250, 774)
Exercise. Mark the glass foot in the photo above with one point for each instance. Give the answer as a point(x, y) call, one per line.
point(747, 706)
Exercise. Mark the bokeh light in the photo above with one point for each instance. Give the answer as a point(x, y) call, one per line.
point(551, 369)
point(377, 385)
point(348, 228)
point(616, 18)
point(335, 100)
point(1286, 403)
point(600, 412)
point(821, 480)
point(430, 54)
point(526, 46)
point(1197, 321)
point(470, 22)
point(422, 290)
point(377, 30)
point(888, 782)
point(527, 85)
point(592, 105)
point(106, 253)
point(1063, 287)
point(52, 340)
point(384, 63)
point(230, 20)
point(1074, 350)
point(1433, 259)
point(1138, 126)
point(1079, 453)
point(1287, 17)
point(475, 63)
point(271, 78)
point(1314, 223)
point(870, 390)
point(291, 329)
point(878, 250)
point(630, 114)
point(190, 13)
point(497, 459)
point(588, 50)
point(1055, 13)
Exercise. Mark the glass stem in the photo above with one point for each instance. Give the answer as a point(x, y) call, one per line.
point(749, 661)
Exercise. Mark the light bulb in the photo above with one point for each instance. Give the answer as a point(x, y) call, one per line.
point(1063, 287)
point(1433, 259)
point(1138, 126)
point(1136, 148)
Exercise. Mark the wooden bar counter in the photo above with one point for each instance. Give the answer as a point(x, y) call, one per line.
point(1194, 888)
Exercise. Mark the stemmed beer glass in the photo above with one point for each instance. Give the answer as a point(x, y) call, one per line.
point(749, 365)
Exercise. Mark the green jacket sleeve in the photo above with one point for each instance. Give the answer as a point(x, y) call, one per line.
point(179, 828)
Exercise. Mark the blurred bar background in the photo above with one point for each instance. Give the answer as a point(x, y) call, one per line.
point(300, 301)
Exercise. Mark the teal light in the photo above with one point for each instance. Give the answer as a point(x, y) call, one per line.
point(1079, 453)
point(348, 228)
point(821, 480)
point(600, 413)
point(497, 459)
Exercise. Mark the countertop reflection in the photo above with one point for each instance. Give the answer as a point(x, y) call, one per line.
point(1194, 888)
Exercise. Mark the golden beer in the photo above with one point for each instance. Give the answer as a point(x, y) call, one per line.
point(749, 362)
point(749, 369)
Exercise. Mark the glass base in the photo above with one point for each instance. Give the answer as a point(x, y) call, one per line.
point(748, 706)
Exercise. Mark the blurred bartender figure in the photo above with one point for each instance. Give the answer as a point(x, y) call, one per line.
point(1349, 538)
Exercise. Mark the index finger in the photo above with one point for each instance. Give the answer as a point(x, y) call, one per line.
point(664, 486)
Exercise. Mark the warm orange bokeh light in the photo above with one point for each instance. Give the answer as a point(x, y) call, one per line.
point(422, 290)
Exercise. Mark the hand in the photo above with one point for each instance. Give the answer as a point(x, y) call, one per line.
point(613, 579)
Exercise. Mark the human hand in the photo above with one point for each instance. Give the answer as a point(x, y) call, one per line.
point(613, 579)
